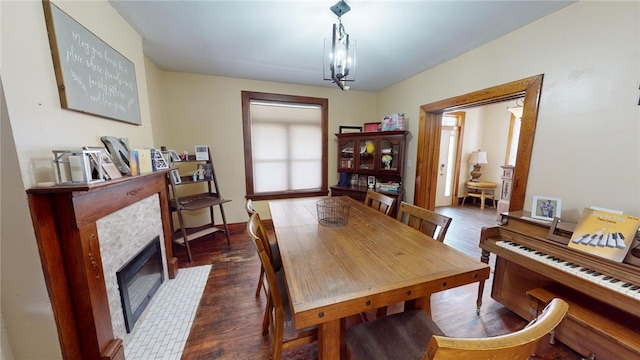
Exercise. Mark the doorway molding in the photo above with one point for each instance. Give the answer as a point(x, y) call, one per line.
point(430, 127)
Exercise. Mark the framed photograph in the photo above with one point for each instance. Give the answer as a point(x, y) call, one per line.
point(546, 208)
point(175, 177)
point(372, 126)
point(202, 152)
point(159, 162)
point(109, 168)
point(174, 155)
point(349, 129)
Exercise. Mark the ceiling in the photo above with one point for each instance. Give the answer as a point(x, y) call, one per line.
point(283, 41)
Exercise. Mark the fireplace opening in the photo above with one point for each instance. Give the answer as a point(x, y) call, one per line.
point(138, 280)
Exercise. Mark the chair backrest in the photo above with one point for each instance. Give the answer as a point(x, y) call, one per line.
point(249, 207)
point(517, 345)
point(256, 229)
point(275, 306)
point(380, 202)
point(277, 310)
point(424, 220)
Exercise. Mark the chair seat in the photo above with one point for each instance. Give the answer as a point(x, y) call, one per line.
point(401, 336)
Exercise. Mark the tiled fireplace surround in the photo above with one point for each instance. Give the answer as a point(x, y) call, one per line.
point(122, 235)
point(85, 233)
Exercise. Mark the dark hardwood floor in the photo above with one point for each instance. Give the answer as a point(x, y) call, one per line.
point(228, 321)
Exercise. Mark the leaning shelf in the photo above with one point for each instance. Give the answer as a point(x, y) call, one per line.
point(210, 199)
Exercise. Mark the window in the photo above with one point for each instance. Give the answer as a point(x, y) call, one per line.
point(285, 145)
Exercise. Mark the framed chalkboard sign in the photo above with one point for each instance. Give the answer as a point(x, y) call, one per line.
point(92, 77)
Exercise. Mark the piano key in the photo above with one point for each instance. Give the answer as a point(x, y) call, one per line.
point(611, 241)
point(588, 240)
point(603, 239)
point(620, 241)
point(579, 239)
point(575, 269)
point(595, 240)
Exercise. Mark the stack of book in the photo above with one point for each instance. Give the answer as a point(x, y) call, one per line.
point(390, 186)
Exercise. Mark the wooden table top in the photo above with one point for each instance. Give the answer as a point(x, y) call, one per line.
point(373, 261)
point(481, 184)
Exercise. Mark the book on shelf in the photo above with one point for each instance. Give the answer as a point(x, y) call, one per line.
point(390, 186)
point(604, 233)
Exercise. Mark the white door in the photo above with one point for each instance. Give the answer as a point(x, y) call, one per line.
point(446, 165)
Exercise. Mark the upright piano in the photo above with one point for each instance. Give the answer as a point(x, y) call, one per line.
point(531, 254)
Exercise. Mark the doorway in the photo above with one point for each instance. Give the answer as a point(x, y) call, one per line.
point(449, 158)
point(430, 133)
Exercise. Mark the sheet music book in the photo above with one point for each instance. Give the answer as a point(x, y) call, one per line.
point(606, 234)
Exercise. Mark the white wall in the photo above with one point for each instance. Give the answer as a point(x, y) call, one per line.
point(588, 124)
point(32, 126)
point(206, 110)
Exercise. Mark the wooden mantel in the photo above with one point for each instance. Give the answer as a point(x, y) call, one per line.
point(64, 219)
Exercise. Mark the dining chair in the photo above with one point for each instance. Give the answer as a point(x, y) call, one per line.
point(413, 335)
point(250, 211)
point(380, 202)
point(277, 310)
point(424, 220)
point(272, 249)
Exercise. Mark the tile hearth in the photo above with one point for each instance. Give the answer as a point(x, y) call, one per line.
point(163, 330)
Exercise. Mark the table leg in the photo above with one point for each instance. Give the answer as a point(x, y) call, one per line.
point(482, 200)
point(329, 340)
point(424, 303)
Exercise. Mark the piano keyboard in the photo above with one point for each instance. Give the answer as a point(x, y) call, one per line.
point(627, 289)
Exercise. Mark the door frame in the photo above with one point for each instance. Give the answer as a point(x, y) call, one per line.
point(430, 126)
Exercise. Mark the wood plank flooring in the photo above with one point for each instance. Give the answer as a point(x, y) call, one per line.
point(228, 321)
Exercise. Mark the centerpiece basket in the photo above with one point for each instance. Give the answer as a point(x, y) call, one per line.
point(333, 212)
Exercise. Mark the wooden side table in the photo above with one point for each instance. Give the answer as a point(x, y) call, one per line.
point(482, 190)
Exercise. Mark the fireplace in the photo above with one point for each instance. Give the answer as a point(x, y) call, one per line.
point(138, 281)
point(66, 221)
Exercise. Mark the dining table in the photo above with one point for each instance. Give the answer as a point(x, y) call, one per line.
point(371, 261)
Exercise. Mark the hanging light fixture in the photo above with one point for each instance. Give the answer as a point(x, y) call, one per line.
point(340, 52)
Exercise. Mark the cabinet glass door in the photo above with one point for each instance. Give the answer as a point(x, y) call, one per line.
point(390, 154)
point(367, 154)
point(346, 161)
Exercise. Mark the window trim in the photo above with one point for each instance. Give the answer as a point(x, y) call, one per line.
point(247, 97)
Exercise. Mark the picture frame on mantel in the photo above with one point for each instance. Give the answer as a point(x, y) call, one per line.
point(92, 77)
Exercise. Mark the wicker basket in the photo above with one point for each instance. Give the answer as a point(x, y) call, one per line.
point(333, 212)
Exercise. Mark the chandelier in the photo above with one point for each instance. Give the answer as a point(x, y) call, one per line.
point(340, 51)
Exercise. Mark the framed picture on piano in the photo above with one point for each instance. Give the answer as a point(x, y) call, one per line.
point(546, 208)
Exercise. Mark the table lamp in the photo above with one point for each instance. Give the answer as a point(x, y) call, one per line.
point(477, 158)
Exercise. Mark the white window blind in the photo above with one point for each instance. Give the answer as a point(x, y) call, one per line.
point(286, 142)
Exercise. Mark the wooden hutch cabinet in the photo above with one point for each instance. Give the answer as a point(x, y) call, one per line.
point(379, 154)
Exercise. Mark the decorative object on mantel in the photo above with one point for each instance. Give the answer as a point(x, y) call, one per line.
point(477, 158)
point(119, 150)
point(110, 169)
point(339, 51)
point(75, 166)
point(92, 77)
